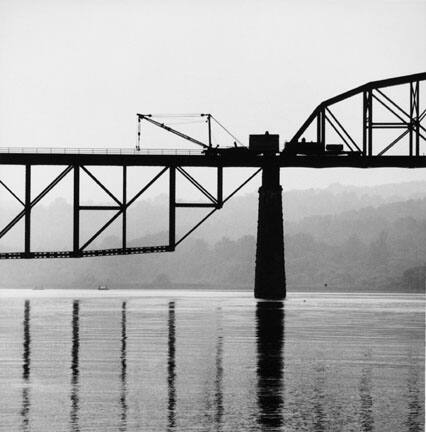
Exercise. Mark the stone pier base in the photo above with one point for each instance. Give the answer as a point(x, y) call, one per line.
point(270, 269)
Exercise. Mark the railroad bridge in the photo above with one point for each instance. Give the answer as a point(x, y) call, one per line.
point(265, 154)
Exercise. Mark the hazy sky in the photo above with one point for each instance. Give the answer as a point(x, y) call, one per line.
point(74, 73)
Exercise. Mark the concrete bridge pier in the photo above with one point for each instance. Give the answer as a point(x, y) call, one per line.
point(270, 271)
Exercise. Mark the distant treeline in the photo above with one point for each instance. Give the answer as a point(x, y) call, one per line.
point(394, 259)
point(379, 247)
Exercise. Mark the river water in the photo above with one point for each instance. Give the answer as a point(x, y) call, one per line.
point(75, 360)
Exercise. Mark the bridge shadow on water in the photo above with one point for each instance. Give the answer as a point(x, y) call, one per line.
point(123, 371)
point(267, 405)
point(270, 363)
point(270, 343)
point(75, 363)
point(26, 367)
point(171, 367)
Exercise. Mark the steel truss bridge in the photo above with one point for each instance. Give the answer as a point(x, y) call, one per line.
point(368, 152)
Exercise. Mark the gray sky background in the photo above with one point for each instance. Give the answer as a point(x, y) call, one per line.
point(74, 73)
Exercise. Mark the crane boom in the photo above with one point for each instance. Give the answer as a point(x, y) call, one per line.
point(147, 117)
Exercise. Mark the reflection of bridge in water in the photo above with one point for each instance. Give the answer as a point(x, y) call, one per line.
point(270, 339)
point(263, 154)
point(268, 375)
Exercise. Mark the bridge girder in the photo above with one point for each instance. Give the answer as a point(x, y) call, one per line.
point(121, 206)
point(360, 155)
point(373, 93)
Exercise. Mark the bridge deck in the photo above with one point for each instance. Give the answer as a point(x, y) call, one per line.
point(170, 157)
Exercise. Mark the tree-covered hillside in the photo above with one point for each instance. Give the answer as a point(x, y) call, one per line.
point(380, 247)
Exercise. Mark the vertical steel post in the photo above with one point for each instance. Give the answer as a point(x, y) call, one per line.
point(367, 123)
point(417, 119)
point(27, 210)
point(411, 121)
point(124, 208)
point(370, 122)
point(364, 123)
point(76, 211)
point(209, 124)
point(172, 208)
point(219, 187)
point(321, 127)
point(138, 139)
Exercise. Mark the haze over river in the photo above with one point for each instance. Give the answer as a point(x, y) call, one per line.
point(74, 360)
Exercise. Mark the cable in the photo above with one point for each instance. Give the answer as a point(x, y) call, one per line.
point(185, 122)
point(227, 131)
point(176, 115)
point(189, 115)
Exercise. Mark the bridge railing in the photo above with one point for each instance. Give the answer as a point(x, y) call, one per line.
point(99, 151)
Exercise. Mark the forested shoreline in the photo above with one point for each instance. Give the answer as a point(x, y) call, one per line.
point(373, 248)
